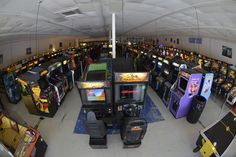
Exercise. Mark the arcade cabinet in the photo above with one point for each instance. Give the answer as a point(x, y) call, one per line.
point(156, 71)
point(229, 82)
point(188, 85)
point(10, 86)
point(129, 94)
point(216, 138)
point(163, 76)
point(19, 141)
point(57, 78)
point(65, 62)
point(38, 94)
point(174, 71)
point(95, 92)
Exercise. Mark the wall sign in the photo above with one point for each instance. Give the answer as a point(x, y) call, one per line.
point(195, 40)
point(1, 58)
point(227, 51)
point(28, 51)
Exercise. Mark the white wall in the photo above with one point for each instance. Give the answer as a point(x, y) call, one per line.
point(16, 50)
point(209, 47)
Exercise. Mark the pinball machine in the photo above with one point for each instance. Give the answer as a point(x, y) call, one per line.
point(221, 77)
point(215, 139)
point(229, 82)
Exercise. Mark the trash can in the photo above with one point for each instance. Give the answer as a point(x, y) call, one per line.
point(196, 109)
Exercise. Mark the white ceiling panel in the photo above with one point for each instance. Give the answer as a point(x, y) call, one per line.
point(217, 18)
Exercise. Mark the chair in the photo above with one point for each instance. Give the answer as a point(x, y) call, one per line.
point(97, 131)
point(132, 131)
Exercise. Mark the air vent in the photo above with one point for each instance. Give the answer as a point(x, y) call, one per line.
point(71, 12)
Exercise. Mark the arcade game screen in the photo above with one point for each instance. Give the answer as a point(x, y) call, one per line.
point(96, 94)
point(130, 92)
point(166, 73)
point(183, 84)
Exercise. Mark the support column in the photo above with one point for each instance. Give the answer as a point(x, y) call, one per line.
point(113, 35)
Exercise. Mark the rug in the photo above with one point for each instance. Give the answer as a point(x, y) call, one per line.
point(150, 113)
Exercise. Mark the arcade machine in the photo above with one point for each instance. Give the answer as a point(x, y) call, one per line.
point(157, 64)
point(95, 92)
point(216, 138)
point(188, 85)
point(174, 71)
point(231, 98)
point(10, 85)
point(38, 94)
point(129, 94)
point(17, 140)
point(163, 75)
point(221, 77)
point(65, 62)
point(57, 78)
point(229, 82)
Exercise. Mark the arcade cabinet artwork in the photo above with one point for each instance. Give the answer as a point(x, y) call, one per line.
point(188, 85)
point(207, 80)
point(216, 138)
point(38, 94)
point(19, 141)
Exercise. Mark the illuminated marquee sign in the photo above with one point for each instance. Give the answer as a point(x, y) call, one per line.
point(131, 77)
point(175, 64)
point(154, 56)
point(44, 72)
point(159, 58)
point(166, 61)
point(89, 85)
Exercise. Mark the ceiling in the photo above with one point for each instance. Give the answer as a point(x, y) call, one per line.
point(92, 18)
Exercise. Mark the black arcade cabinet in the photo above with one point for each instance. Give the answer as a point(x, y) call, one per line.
point(129, 93)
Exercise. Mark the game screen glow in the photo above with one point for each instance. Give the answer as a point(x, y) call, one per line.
point(96, 94)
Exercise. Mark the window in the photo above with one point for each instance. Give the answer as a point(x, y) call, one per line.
point(171, 40)
point(177, 41)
